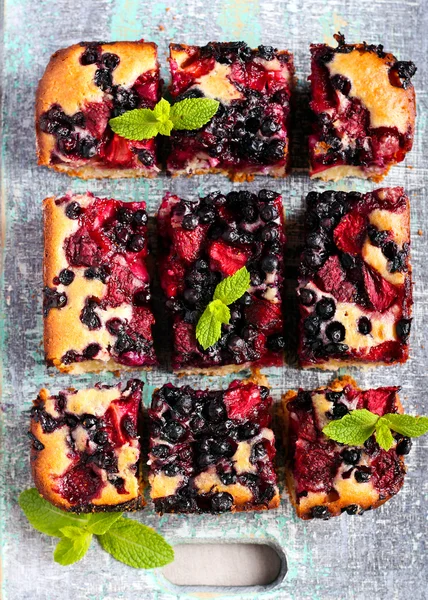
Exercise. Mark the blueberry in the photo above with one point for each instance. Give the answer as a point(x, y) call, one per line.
point(316, 241)
point(303, 401)
point(364, 325)
point(403, 447)
point(274, 151)
point(236, 344)
point(223, 448)
point(341, 83)
point(402, 329)
point(269, 127)
point(136, 243)
point(339, 410)
point(174, 431)
point(37, 444)
point(335, 331)
point(221, 502)
point(266, 52)
point(248, 430)
point(89, 421)
point(347, 261)
point(100, 273)
point(313, 259)
point(269, 233)
point(326, 309)
point(205, 459)
point(227, 478)
point(190, 222)
point(89, 317)
point(142, 297)
point(268, 213)
point(161, 451)
point(352, 509)
point(276, 342)
point(390, 250)
point(311, 325)
point(71, 421)
point(216, 411)
point(103, 79)
point(90, 56)
point(351, 456)
point(146, 157)
point(361, 476)
point(269, 263)
point(252, 125)
point(264, 392)
point(91, 351)
point(256, 278)
point(377, 237)
point(171, 469)
point(206, 215)
point(110, 61)
point(129, 427)
point(258, 451)
point(405, 69)
point(245, 299)
point(184, 404)
point(334, 348)
point(101, 437)
point(267, 195)
point(320, 512)
point(66, 277)
point(306, 296)
point(87, 147)
point(250, 212)
point(73, 210)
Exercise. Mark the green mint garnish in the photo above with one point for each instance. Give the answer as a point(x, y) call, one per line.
point(136, 545)
point(126, 540)
point(358, 425)
point(144, 123)
point(208, 329)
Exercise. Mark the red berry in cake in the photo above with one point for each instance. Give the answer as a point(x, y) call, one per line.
point(355, 291)
point(85, 447)
point(325, 478)
point(83, 87)
point(250, 132)
point(364, 111)
point(97, 288)
point(226, 234)
point(212, 451)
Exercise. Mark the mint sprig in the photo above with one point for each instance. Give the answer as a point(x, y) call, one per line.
point(358, 425)
point(144, 123)
point(126, 540)
point(217, 313)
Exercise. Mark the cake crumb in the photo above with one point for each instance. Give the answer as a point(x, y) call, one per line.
point(161, 28)
point(420, 232)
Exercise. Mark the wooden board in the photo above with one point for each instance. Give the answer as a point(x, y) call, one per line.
point(380, 555)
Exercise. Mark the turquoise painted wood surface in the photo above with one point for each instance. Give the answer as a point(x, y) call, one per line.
point(380, 555)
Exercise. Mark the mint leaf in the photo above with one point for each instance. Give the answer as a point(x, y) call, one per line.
point(71, 549)
point(45, 517)
point(162, 110)
point(208, 329)
point(232, 288)
point(383, 434)
point(136, 545)
point(407, 424)
point(220, 311)
point(99, 523)
point(193, 113)
point(353, 429)
point(137, 124)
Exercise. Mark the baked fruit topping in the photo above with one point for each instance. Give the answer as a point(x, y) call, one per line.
point(250, 132)
point(355, 289)
point(204, 242)
point(83, 87)
point(96, 304)
point(212, 451)
point(364, 110)
point(85, 448)
point(325, 478)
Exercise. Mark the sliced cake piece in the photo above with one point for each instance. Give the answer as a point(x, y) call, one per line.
point(83, 87)
point(250, 133)
point(212, 451)
point(96, 303)
point(355, 287)
point(85, 448)
point(325, 478)
point(202, 243)
point(364, 111)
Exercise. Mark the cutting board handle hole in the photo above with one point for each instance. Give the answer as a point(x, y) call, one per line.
point(223, 564)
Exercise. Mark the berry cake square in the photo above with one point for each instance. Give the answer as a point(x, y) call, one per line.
point(85, 448)
point(83, 87)
point(364, 111)
point(325, 478)
point(202, 243)
point(212, 451)
point(96, 304)
point(250, 132)
point(355, 287)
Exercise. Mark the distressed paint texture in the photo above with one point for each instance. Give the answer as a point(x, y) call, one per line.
point(380, 555)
